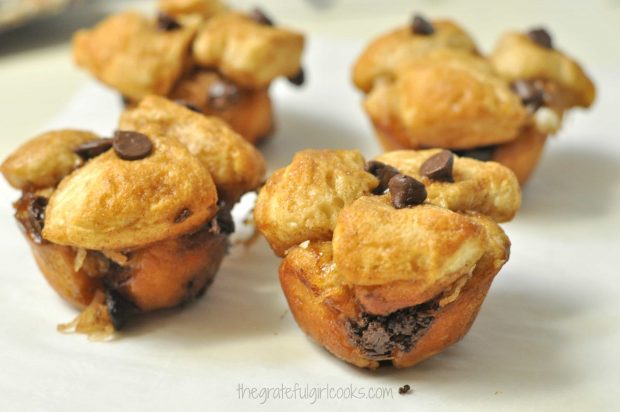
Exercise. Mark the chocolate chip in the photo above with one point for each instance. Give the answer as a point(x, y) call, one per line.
point(126, 101)
point(222, 95)
point(224, 219)
point(404, 389)
point(120, 308)
point(188, 105)
point(259, 16)
point(406, 191)
point(439, 166)
point(483, 153)
point(36, 217)
point(93, 148)
point(299, 78)
point(541, 37)
point(131, 145)
point(532, 95)
point(182, 216)
point(166, 22)
point(382, 172)
point(421, 26)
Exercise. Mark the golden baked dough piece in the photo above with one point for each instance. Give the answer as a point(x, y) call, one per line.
point(44, 160)
point(386, 283)
point(111, 203)
point(380, 60)
point(249, 53)
point(427, 247)
point(302, 201)
point(203, 8)
point(517, 57)
point(446, 99)
point(483, 187)
point(128, 53)
point(235, 165)
point(559, 81)
point(248, 112)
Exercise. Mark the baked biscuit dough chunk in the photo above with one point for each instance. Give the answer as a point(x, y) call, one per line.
point(249, 53)
point(111, 203)
point(485, 187)
point(235, 165)
point(128, 53)
point(517, 57)
point(387, 281)
point(380, 60)
point(44, 160)
point(446, 99)
point(302, 201)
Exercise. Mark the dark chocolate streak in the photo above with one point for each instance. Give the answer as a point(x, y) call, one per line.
point(482, 153)
point(378, 336)
point(120, 308)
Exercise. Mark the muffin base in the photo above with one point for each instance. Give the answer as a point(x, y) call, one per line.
point(325, 310)
point(161, 275)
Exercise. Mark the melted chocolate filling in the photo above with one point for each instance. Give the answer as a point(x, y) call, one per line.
point(120, 308)
point(378, 336)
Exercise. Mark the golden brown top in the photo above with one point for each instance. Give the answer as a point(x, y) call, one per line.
point(302, 201)
point(43, 161)
point(374, 244)
point(448, 99)
point(306, 200)
point(235, 165)
point(517, 56)
point(117, 204)
point(249, 53)
point(483, 187)
point(384, 55)
point(127, 52)
point(203, 8)
point(423, 250)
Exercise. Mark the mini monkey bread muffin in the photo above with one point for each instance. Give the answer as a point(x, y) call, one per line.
point(390, 260)
point(218, 61)
point(426, 85)
point(135, 223)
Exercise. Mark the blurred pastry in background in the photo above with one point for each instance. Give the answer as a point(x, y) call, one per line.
point(436, 90)
point(135, 223)
point(387, 261)
point(199, 52)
